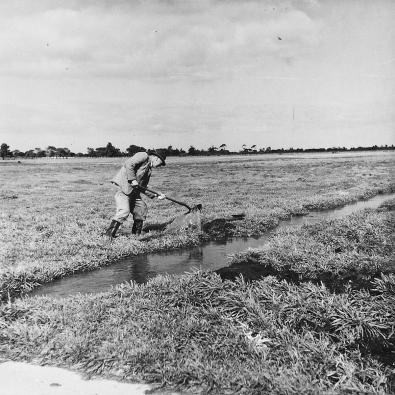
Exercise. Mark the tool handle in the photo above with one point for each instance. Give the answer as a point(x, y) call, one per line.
point(166, 197)
point(178, 202)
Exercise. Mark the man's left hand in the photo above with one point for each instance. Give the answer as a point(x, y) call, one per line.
point(161, 196)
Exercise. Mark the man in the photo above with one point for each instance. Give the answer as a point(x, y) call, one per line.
point(135, 172)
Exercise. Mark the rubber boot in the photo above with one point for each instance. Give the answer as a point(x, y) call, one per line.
point(137, 226)
point(112, 229)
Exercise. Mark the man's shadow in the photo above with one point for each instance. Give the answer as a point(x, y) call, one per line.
point(156, 227)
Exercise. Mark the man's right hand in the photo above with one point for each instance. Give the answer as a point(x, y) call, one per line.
point(134, 184)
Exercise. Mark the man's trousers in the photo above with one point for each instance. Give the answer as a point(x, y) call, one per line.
point(129, 204)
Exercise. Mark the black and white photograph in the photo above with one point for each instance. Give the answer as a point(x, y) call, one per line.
point(197, 197)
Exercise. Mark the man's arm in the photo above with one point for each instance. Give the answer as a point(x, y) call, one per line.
point(152, 194)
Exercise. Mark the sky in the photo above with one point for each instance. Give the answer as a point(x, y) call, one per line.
point(305, 73)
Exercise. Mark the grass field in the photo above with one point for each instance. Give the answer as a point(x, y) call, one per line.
point(322, 323)
point(53, 212)
point(196, 333)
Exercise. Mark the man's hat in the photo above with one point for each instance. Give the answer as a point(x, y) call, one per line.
point(160, 153)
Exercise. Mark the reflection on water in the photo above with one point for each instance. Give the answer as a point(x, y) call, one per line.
point(208, 256)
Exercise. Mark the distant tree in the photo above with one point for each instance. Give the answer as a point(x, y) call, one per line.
point(245, 149)
point(223, 150)
point(111, 151)
point(212, 149)
point(90, 151)
point(192, 150)
point(51, 151)
point(4, 150)
point(100, 151)
point(133, 149)
point(39, 153)
point(268, 149)
point(30, 154)
point(63, 152)
point(16, 153)
point(69, 152)
point(172, 151)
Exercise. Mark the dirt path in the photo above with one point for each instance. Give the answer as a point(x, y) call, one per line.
point(19, 378)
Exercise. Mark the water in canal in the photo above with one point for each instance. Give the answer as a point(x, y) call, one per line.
point(209, 256)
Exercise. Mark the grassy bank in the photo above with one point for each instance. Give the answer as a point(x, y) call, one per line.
point(347, 252)
point(197, 332)
point(53, 213)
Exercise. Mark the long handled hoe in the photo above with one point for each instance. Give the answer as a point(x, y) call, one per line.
point(197, 207)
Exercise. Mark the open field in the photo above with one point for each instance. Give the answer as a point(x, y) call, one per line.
point(323, 322)
point(196, 332)
point(54, 211)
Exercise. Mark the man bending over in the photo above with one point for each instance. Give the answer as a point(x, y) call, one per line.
point(135, 172)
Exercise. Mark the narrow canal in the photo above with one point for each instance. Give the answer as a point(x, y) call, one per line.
point(209, 256)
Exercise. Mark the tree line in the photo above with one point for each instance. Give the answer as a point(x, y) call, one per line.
point(110, 151)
